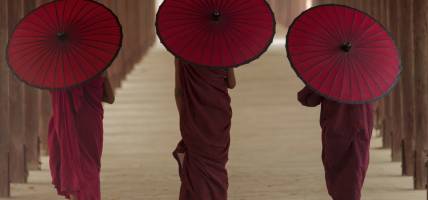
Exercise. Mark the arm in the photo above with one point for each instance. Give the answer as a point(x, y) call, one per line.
point(108, 95)
point(177, 90)
point(309, 98)
point(231, 81)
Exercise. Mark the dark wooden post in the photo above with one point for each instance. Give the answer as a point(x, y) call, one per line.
point(426, 168)
point(408, 76)
point(45, 111)
point(18, 168)
point(4, 103)
point(143, 26)
point(382, 8)
point(397, 112)
point(421, 100)
point(32, 115)
point(134, 23)
point(151, 24)
point(358, 4)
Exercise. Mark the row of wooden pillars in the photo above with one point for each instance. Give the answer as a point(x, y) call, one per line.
point(25, 111)
point(286, 10)
point(402, 116)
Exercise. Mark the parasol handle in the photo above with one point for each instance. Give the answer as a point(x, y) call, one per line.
point(346, 47)
point(216, 16)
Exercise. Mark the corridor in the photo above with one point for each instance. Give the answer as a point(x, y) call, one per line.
point(275, 149)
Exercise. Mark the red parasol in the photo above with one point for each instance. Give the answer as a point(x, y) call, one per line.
point(216, 33)
point(343, 54)
point(64, 43)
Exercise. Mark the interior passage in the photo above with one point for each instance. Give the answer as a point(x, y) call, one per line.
point(275, 149)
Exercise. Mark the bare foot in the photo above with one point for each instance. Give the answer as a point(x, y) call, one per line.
point(72, 197)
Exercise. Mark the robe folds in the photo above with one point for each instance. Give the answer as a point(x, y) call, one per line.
point(346, 134)
point(205, 121)
point(75, 140)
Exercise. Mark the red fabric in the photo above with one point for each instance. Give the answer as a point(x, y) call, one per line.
point(314, 45)
point(242, 33)
point(75, 140)
point(346, 134)
point(205, 121)
point(92, 38)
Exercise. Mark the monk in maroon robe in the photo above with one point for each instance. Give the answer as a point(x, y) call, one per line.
point(75, 138)
point(205, 118)
point(346, 133)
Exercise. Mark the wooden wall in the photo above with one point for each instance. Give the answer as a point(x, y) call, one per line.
point(25, 111)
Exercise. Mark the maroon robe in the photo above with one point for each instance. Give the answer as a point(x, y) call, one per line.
point(346, 133)
point(75, 140)
point(205, 120)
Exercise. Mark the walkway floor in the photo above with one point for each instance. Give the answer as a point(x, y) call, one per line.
point(275, 150)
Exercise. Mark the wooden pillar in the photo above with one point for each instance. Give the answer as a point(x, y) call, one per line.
point(18, 168)
point(139, 34)
point(143, 27)
point(32, 115)
point(358, 4)
point(4, 103)
point(408, 76)
point(135, 21)
point(396, 109)
point(381, 8)
point(421, 100)
point(122, 62)
point(45, 110)
point(118, 62)
point(426, 168)
point(131, 35)
point(151, 24)
point(125, 16)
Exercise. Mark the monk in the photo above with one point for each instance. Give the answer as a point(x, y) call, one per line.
point(203, 104)
point(346, 134)
point(75, 138)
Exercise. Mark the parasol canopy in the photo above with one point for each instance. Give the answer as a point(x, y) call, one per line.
point(343, 54)
point(216, 33)
point(64, 43)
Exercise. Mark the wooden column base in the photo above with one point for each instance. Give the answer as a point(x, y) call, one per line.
point(4, 175)
point(18, 164)
point(420, 179)
point(426, 169)
point(408, 152)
